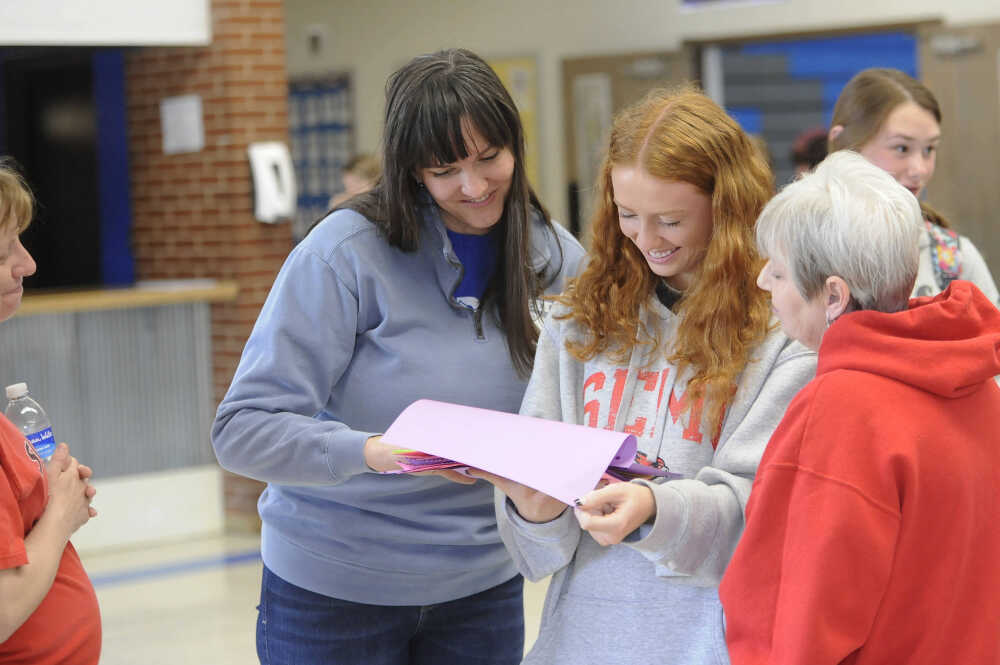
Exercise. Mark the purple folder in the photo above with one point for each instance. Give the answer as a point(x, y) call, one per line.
point(560, 459)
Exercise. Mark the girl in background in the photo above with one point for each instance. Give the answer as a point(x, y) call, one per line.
point(359, 175)
point(895, 121)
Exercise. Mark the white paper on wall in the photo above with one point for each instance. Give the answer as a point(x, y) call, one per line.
point(182, 124)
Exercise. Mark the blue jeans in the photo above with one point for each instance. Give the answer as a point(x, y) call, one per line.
point(299, 627)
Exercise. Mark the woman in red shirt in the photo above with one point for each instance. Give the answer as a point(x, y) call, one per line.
point(48, 608)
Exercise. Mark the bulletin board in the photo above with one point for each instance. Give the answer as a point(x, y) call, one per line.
point(321, 126)
point(778, 88)
point(520, 76)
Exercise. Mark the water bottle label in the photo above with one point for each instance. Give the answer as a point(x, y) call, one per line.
point(44, 442)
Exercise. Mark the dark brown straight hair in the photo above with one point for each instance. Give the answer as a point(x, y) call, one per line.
point(427, 102)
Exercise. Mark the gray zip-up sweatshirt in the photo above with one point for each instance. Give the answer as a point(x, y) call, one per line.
point(352, 332)
point(654, 597)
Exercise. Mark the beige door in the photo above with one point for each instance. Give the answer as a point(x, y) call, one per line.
point(962, 67)
point(593, 90)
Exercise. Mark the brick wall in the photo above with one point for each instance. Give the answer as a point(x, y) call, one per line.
point(193, 212)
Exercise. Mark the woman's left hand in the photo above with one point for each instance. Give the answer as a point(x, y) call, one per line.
point(532, 505)
point(613, 512)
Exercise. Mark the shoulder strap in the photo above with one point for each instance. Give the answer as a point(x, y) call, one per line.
point(945, 255)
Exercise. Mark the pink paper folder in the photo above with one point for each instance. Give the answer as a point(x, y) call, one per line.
point(560, 459)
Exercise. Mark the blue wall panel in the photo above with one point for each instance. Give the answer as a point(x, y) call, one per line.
point(749, 118)
point(117, 262)
point(779, 89)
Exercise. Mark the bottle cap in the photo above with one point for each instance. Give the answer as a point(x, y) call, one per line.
point(16, 390)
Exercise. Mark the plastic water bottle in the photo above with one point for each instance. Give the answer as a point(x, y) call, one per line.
point(29, 416)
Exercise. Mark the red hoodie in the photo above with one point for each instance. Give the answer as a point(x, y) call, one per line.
point(873, 527)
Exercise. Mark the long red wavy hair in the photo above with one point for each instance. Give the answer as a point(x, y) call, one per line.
point(680, 135)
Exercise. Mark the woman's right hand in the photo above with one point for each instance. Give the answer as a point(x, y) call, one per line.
point(379, 456)
point(531, 504)
point(69, 492)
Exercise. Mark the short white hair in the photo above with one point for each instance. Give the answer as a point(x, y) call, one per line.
point(851, 219)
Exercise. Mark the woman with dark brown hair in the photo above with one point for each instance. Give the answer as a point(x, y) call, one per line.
point(426, 286)
point(664, 336)
point(895, 121)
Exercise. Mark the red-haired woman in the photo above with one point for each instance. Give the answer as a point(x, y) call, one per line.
point(665, 336)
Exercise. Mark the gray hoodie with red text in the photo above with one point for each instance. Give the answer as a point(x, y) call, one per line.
point(654, 597)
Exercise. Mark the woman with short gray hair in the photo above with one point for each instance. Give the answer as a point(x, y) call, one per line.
point(871, 526)
point(863, 229)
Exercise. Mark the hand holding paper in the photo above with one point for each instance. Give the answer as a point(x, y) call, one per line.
point(379, 456)
point(561, 460)
point(611, 513)
point(531, 504)
point(382, 457)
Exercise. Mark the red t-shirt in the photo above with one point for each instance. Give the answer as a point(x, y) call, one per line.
point(66, 627)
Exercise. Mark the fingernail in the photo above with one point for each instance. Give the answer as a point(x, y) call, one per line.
point(578, 502)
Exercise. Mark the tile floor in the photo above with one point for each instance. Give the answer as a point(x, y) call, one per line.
point(193, 602)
